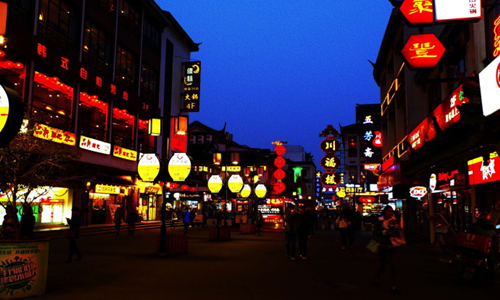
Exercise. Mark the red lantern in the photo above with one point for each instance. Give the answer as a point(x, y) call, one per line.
point(280, 150)
point(184, 187)
point(279, 162)
point(279, 187)
point(279, 174)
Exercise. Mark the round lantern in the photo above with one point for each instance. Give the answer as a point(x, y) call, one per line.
point(279, 174)
point(235, 183)
point(279, 187)
point(279, 162)
point(260, 190)
point(246, 191)
point(215, 183)
point(148, 167)
point(280, 150)
point(330, 179)
point(179, 166)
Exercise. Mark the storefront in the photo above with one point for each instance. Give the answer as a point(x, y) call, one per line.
point(485, 184)
point(103, 201)
point(150, 202)
point(51, 205)
point(273, 212)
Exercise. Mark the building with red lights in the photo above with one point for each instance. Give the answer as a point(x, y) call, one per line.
point(91, 75)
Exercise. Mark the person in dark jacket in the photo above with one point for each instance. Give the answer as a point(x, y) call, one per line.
point(304, 230)
point(74, 233)
point(132, 218)
point(291, 228)
point(385, 227)
point(484, 227)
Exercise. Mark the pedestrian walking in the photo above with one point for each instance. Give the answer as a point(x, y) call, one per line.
point(74, 233)
point(304, 231)
point(118, 219)
point(27, 221)
point(132, 218)
point(291, 228)
point(9, 223)
point(385, 228)
point(260, 222)
point(346, 225)
point(186, 219)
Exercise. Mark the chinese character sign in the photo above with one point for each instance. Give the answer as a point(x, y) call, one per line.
point(191, 90)
point(418, 11)
point(423, 50)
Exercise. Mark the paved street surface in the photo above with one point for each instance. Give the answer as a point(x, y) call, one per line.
point(247, 267)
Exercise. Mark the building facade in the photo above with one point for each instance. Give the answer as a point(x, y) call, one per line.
point(91, 75)
point(439, 144)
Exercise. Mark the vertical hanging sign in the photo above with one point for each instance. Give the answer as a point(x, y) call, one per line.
point(330, 162)
point(191, 89)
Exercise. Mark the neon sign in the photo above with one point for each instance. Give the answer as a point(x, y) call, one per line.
point(418, 11)
point(423, 50)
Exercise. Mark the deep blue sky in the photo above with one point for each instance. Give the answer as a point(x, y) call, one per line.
point(283, 69)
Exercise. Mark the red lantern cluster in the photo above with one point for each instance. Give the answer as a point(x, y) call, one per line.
point(279, 174)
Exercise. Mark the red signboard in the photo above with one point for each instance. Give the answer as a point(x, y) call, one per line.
point(366, 199)
point(423, 50)
point(418, 11)
point(482, 172)
point(446, 114)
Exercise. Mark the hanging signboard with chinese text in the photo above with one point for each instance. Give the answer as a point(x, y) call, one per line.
point(179, 166)
point(148, 167)
point(260, 190)
point(330, 179)
point(191, 90)
point(418, 11)
point(452, 10)
point(423, 50)
point(235, 183)
point(481, 171)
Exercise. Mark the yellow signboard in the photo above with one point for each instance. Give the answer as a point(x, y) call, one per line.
point(246, 191)
point(54, 135)
point(260, 190)
point(4, 108)
point(235, 183)
point(148, 167)
point(124, 153)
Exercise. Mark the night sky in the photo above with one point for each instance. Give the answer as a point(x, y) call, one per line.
point(283, 70)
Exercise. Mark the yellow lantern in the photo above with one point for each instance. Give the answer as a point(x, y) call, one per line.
point(215, 184)
point(235, 183)
point(179, 166)
point(246, 191)
point(260, 190)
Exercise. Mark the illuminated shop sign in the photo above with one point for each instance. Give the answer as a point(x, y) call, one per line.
point(496, 37)
point(451, 10)
point(93, 145)
point(372, 167)
point(215, 183)
point(54, 135)
point(446, 114)
point(489, 83)
point(149, 167)
point(418, 191)
point(107, 189)
point(418, 11)
point(124, 153)
point(191, 89)
point(423, 50)
point(481, 171)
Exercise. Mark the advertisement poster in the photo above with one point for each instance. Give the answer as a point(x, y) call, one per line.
point(23, 269)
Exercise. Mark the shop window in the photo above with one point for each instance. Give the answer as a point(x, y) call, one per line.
point(52, 102)
point(123, 129)
point(108, 5)
point(57, 22)
point(149, 85)
point(97, 47)
point(192, 139)
point(93, 117)
point(125, 66)
point(352, 146)
point(201, 139)
point(208, 138)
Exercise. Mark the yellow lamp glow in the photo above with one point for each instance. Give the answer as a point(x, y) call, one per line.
point(154, 127)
